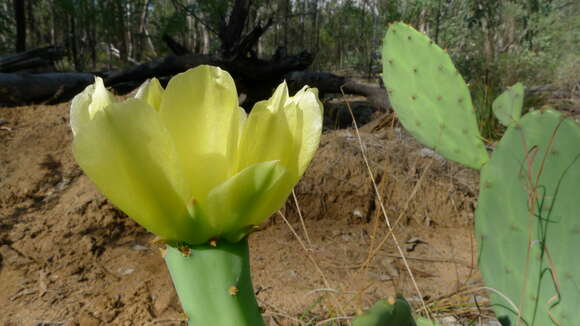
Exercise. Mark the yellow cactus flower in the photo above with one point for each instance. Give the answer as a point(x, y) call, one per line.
point(186, 162)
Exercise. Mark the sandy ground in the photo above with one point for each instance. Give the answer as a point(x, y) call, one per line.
point(68, 257)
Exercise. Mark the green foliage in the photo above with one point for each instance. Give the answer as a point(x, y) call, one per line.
point(493, 43)
point(431, 99)
point(7, 29)
point(340, 44)
point(527, 221)
point(508, 106)
point(483, 95)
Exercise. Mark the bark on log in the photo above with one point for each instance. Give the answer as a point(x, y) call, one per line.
point(48, 88)
point(330, 83)
point(166, 66)
point(33, 59)
point(254, 77)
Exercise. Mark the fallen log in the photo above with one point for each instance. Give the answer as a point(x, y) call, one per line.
point(48, 88)
point(166, 66)
point(331, 83)
point(40, 58)
point(254, 77)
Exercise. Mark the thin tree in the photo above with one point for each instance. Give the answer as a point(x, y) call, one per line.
point(20, 16)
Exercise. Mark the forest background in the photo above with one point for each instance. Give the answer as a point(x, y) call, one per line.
point(493, 43)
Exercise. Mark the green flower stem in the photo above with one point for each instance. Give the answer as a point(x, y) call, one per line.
point(214, 284)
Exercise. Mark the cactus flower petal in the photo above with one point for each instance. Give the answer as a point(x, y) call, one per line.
point(283, 128)
point(151, 92)
point(200, 110)
point(240, 200)
point(84, 106)
point(128, 154)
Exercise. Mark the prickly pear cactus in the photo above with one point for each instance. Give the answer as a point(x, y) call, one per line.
point(528, 221)
point(430, 97)
point(396, 312)
point(528, 215)
point(508, 106)
point(392, 312)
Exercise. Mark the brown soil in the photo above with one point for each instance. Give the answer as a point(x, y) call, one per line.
point(68, 257)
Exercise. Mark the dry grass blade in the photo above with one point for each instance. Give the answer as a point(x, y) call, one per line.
point(383, 210)
point(314, 263)
point(301, 218)
point(374, 251)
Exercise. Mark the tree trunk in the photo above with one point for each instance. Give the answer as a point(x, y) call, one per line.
point(73, 43)
point(20, 16)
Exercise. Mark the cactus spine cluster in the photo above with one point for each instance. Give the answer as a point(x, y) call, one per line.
point(528, 214)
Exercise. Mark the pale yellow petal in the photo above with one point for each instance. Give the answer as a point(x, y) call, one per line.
point(246, 199)
point(151, 91)
point(127, 152)
point(200, 109)
point(79, 109)
point(311, 112)
point(288, 131)
point(279, 97)
point(100, 98)
point(267, 137)
point(83, 106)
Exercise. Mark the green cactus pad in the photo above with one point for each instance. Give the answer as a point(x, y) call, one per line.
point(213, 283)
point(396, 313)
point(430, 97)
point(508, 106)
point(538, 162)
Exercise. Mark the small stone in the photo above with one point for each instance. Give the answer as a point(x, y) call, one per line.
point(86, 319)
point(126, 271)
point(426, 152)
point(163, 301)
point(491, 322)
point(139, 247)
point(449, 321)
